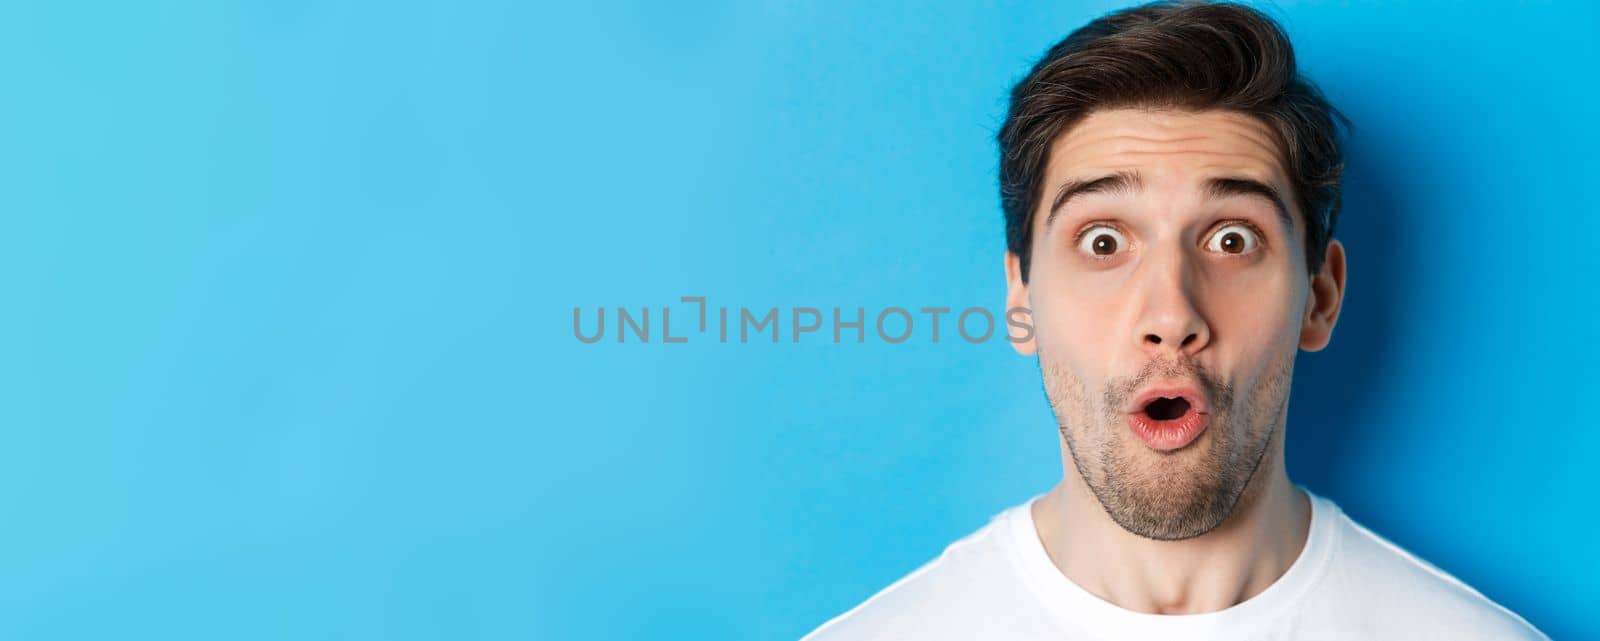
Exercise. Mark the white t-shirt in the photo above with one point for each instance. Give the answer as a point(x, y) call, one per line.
point(1347, 584)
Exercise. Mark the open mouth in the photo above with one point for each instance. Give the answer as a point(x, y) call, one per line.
point(1166, 409)
point(1169, 419)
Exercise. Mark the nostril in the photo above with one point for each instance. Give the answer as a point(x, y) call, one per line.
point(1153, 339)
point(1189, 339)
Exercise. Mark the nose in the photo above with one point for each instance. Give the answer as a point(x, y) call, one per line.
point(1170, 321)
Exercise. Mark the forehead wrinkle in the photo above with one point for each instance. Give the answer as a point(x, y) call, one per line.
point(1142, 147)
point(1208, 164)
point(1220, 144)
point(1109, 128)
point(1263, 166)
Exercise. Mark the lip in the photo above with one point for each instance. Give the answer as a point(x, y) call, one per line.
point(1197, 401)
point(1174, 433)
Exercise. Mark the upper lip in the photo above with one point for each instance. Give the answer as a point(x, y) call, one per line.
point(1191, 393)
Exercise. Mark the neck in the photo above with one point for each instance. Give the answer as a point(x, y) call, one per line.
point(1254, 546)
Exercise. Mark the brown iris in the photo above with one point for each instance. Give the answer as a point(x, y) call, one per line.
point(1232, 243)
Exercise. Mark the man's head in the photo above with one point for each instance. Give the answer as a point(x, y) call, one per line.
point(1170, 186)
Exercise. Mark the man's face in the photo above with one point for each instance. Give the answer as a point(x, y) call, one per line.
point(1172, 270)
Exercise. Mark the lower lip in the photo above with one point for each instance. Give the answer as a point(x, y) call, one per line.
point(1170, 434)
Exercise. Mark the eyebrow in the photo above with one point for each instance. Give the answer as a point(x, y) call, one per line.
point(1122, 182)
point(1129, 182)
point(1224, 187)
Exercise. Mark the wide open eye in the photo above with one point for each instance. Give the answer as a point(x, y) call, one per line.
point(1234, 238)
point(1101, 241)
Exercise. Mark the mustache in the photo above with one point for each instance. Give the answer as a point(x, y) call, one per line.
point(1218, 392)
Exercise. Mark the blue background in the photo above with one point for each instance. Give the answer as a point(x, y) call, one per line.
point(288, 294)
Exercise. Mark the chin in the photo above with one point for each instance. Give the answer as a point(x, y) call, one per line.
point(1166, 496)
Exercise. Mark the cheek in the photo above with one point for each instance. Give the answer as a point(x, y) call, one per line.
point(1255, 314)
point(1073, 319)
point(1251, 312)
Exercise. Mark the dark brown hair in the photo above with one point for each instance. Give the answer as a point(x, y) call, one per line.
point(1178, 55)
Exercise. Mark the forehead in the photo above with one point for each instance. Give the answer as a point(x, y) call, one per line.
point(1168, 147)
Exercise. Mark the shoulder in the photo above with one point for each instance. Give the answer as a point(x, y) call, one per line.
point(1396, 590)
point(967, 586)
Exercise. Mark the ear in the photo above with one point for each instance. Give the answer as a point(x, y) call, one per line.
point(1017, 302)
point(1322, 305)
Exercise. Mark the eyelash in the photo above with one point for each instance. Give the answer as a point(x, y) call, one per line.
point(1077, 239)
point(1261, 238)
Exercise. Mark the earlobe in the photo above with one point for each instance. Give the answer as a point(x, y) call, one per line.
point(1324, 300)
point(1019, 311)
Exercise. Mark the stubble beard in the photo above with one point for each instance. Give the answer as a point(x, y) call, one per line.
point(1168, 496)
